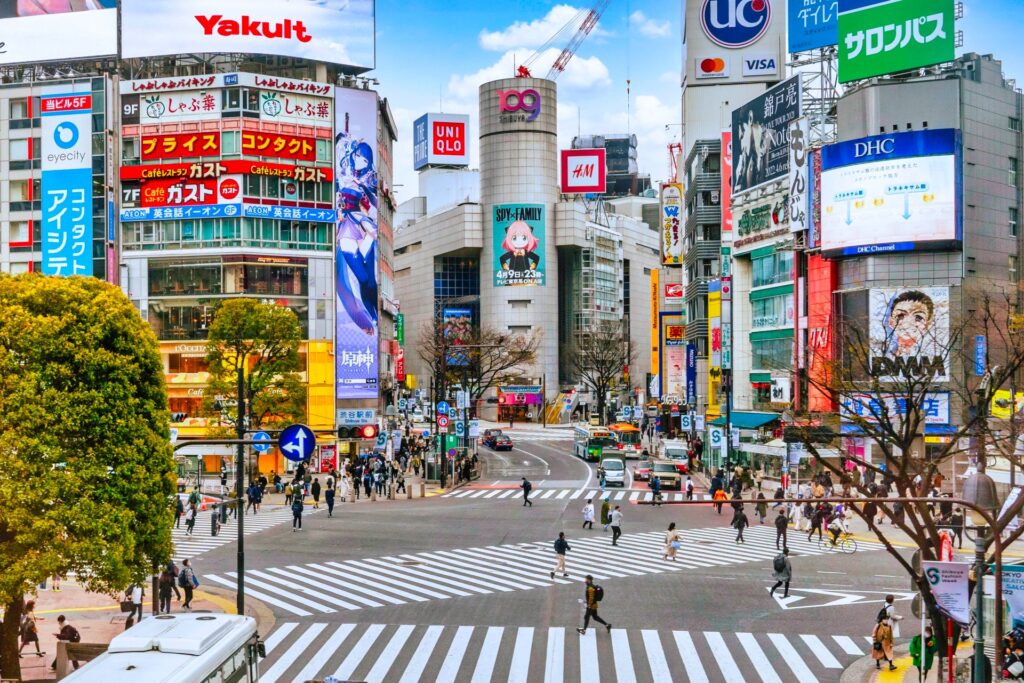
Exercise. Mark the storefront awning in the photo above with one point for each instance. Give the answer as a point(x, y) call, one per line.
point(742, 420)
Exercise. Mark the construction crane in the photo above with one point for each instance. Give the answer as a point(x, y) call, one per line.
point(579, 27)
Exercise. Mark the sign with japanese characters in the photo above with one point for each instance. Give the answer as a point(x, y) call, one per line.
point(66, 185)
point(189, 192)
point(813, 24)
point(934, 407)
point(278, 145)
point(760, 136)
point(216, 169)
point(878, 37)
point(176, 106)
point(798, 166)
point(278, 107)
point(170, 213)
point(180, 145)
point(519, 244)
point(671, 223)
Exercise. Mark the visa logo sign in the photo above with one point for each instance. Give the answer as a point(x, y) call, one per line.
point(760, 65)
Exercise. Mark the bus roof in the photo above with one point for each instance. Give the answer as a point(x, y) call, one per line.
point(170, 647)
point(623, 427)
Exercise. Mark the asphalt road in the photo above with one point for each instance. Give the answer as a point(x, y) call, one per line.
point(458, 588)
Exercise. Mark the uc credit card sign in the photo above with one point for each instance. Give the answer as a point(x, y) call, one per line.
point(66, 163)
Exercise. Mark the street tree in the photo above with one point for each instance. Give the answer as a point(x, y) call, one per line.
point(600, 355)
point(85, 451)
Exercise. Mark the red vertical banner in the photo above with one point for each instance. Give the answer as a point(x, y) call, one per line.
point(726, 181)
point(821, 282)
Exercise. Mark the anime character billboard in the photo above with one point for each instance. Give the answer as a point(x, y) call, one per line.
point(355, 178)
point(518, 245)
point(910, 333)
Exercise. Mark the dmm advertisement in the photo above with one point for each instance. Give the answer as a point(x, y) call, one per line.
point(66, 163)
point(909, 333)
point(33, 31)
point(356, 349)
point(671, 223)
point(760, 136)
point(518, 244)
point(333, 31)
point(894, 192)
point(879, 37)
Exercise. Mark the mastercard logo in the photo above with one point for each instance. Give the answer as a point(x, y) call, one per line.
point(712, 67)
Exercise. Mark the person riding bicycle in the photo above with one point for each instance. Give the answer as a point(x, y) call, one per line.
point(835, 528)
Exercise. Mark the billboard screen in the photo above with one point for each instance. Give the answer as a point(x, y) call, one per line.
point(583, 171)
point(355, 182)
point(441, 140)
point(889, 193)
point(671, 223)
point(878, 37)
point(518, 245)
point(909, 333)
point(333, 31)
point(29, 30)
point(66, 184)
point(673, 356)
point(760, 136)
point(458, 330)
point(813, 24)
point(726, 187)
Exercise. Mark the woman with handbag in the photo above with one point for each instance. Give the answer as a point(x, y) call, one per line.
point(187, 580)
point(29, 630)
point(881, 647)
point(672, 542)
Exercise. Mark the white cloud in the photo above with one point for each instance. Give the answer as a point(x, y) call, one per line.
point(581, 72)
point(529, 34)
point(649, 27)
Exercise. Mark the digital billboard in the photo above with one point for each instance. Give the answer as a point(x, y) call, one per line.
point(909, 333)
point(813, 24)
point(356, 350)
point(333, 31)
point(518, 245)
point(889, 193)
point(760, 136)
point(583, 171)
point(440, 140)
point(66, 184)
point(671, 223)
point(457, 330)
point(878, 37)
point(47, 31)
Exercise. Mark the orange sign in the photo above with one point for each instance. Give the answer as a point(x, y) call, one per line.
point(215, 169)
point(180, 145)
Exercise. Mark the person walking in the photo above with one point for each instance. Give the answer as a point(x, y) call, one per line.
point(179, 511)
point(29, 629)
point(526, 486)
point(779, 495)
point(922, 651)
point(70, 634)
point(656, 487)
point(739, 523)
point(616, 523)
point(761, 508)
point(817, 521)
point(593, 595)
point(889, 611)
point(781, 527)
point(606, 513)
point(689, 488)
point(956, 522)
point(399, 481)
point(329, 497)
point(297, 512)
point(561, 547)
point(315, 490)
point(720, 497)
point(288, 493)
point(188, 581)
point(672, 542)
point(190, 519)
point(588, 515)
point(881, 645)
point(173, 569)
point(165, 587)
point(782, 572)
point(250, 493)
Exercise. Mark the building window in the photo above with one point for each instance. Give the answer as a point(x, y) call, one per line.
point(774, 311)
point(1013, 268)
point(18, 232)
point(1014, 217)
point(772, 354)
point(1014, 123)
point(19, 108)
point(1014, 168)
point(773, 269)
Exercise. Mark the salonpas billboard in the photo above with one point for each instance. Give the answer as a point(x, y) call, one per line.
point(878, 37)
point(518, 244)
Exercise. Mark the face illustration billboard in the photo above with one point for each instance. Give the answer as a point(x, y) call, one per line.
point(909, 333)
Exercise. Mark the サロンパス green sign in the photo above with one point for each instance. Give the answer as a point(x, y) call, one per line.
point(887, 37)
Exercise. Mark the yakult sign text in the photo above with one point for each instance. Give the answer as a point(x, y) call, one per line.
point(441, 139)
point(67, 183)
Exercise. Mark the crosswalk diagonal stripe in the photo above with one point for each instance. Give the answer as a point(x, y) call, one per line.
point(268, 584)
point(488, 655)
point(624, 561)
point(562, 494)
point(481, 578)
point(358, 651)
point(821, 652)
point(293, 653)
point(492, 574)
point(441, 576)
point(279, 634)
point(388, 573)
point(554, 666)
point(624, 672)
point(260, 595)
point(520, 668)
point(298, 578)
point(758, 658)
point(419, 660)
point(848, 645)
point(379, 672)
point(598, 572)
point(506, 494)
point(645, 551)
point(318, 660)
point(532, 580)
point(456, 651)
point(792, 658)
point(656, 657)
point(589, 668)
point(478, 494)
point(335, 585)
point(547, 494)
point(722, 656)
point(383, 583)
point(528, 567)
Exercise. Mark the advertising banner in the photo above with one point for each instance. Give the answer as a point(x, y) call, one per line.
point(813, 24)
point(674, 290)
point(760, 136)
point(671, 223)
point(57, 31)
point(440, 139)
point(216, 169)
point(798, 167)
point(519, 245)
point(895, 192)
point(188, 192)
point(180, 146)
point(762, 220)
point(948, 582)
point(278, 145)
point(303, 110)
point(583, 171)
point(726, 185)
point(734, 41)
point(457, 330)
point(691, 374)
point(175, 106)
point(356, 338)
point(655, 323)
point(1013, 592)
point(909, 333)
point(66, 184)
point(673, 370)
point(333, 31)
point(868, 407)
point(878, 37)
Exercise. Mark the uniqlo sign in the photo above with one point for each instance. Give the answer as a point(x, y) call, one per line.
point(440, 140)
point(583, 171)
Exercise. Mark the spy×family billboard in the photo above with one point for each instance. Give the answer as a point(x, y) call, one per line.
point(519, 245)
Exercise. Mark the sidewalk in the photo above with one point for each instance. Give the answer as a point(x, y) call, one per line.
point(864, 671)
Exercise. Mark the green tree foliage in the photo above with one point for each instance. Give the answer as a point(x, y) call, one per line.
point(84, 443)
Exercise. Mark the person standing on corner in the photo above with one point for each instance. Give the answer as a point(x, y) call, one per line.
point(689, 488)
point(594, 594)
point(782, 572)
point(561, 547)
point(881, 645)
point(588, 515)
point(526, 486)
point(781, 527)
point(616, 524)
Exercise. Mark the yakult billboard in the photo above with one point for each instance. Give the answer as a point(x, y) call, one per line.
point(333, 31)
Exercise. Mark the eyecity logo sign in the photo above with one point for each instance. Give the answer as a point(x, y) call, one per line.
point(66, 135)
point(735, 23)
point(511, 101)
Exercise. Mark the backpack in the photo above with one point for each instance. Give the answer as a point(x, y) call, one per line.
point(882, 613)
point(182, 580)
point(779, 563)
point(76, 637)
point(598, 593)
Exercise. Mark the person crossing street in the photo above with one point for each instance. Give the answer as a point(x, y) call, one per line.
point(616, 524)
point(739, 523)
point(594, 594)
point(561, 547)
point(526, 486)
point(588, 514)
point(782, 572)
point(781, 527)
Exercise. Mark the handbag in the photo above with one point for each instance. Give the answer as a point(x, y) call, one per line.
point(195, 581)
point(877, 646)
point(127, 606)
point(676, 545)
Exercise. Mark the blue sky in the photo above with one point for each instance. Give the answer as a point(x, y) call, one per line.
point(432, 55)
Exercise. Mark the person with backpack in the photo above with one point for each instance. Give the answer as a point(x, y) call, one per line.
point(179, 511)
point(739, 523)
point(188, 581)
point(782, 572)
point(296, 512)
point(561, 547)
point(672, 542)
point(70, 634)
point(781, 527)
point(888, 611)
point(616, 523)
point(165, 587)
point(29, 630)
point(689, 488)
point(593, 595)
point(190, 519)
point(526, 486)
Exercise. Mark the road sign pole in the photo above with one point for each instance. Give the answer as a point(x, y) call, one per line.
point(239, 510)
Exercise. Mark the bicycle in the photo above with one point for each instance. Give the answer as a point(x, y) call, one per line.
point(845, 543)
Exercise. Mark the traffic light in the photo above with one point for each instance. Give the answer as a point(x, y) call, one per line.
point(359, 432)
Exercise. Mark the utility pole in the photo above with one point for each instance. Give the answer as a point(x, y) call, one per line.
point(239, 509)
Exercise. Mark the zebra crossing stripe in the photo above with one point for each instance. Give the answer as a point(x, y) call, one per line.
point(299, 579)
point(508, 493)
point(848, 646)
point(488, 655)
point(379, 672)
point(358, 651)
point(520, 667)
point(521, 575)
point(722, 655)
point(383, 573)
point(275, 638)
point(493, 493)
point(589, 670)
point(494, 575)
point(624, 672)
point(292, 654)
point(562, 494)
point(422, 655)
point(792, 659)
point(456, 651)
point(548, 493)
point(691, 660)
point(486, 580)
point(317, 661)
point(507, 567)
point(259, 595)
point(554, 668)
point(269, 584)
point(324, 576)
point(656, 657)
point(821, 652)
point(758, 658)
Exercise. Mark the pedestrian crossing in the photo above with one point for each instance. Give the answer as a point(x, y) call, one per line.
point(613, 494)
point(407, 653)
point(201, 541)
point(326, 587)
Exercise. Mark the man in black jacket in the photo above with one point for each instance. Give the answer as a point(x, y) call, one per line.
point(781, 526)
point(561, 546)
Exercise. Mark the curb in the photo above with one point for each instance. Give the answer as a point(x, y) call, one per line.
point(863, 670)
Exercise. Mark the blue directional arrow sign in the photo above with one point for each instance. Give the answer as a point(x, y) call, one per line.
point(297, 442)
point(264, 440)
point(442, 407)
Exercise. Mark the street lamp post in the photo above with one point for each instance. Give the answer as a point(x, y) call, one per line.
point(240, 510)
point(980, 490)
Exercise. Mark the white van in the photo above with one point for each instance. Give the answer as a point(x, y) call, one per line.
point(614, 467)
point(676, 451)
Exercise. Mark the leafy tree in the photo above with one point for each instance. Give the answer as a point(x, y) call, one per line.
point(599, 356)
point(84, 443)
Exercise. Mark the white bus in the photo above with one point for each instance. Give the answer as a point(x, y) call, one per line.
point(590, 442)
point(180, 648)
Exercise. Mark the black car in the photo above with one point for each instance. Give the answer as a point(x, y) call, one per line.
point(502, 443)
point(489, 436)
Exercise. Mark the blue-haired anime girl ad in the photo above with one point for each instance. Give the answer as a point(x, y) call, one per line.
point(356, 345)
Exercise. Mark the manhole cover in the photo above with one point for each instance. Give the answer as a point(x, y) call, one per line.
point(410, 563)
point(704, 542)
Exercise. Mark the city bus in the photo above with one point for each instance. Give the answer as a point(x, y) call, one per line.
point(628, 437)
point(590, 442)
point(185, 648)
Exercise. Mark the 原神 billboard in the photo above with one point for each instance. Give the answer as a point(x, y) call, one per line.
point(457, 330)
point(355, 181)
point(518, 244)
point(332, 31)
point(49, 31)
point(760, 136)
point(909, 333)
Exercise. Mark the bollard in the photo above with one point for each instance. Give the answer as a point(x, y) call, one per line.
point(373, 493)
point(408, 492)
point(423, 489)
point(223, 512)
point(351, 494)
